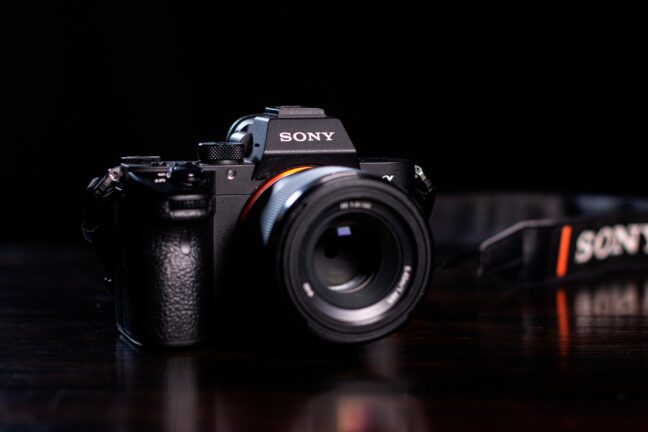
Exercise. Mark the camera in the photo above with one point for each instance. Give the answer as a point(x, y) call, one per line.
point(281, 226)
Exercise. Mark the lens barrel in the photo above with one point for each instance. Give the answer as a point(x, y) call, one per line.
point(349, 254)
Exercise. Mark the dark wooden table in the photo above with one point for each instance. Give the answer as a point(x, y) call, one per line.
point(475, 357)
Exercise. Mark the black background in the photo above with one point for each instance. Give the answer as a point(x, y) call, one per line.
point(536, 98)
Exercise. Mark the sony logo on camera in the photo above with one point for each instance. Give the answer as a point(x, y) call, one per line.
point(611, 241)
point(305, 136)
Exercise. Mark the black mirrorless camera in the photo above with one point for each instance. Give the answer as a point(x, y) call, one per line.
point(281, 226)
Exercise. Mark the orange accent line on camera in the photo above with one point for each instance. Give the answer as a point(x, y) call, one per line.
point(563, 251)
point(266, 185)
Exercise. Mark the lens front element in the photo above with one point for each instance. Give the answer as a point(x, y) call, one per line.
point(350, 253)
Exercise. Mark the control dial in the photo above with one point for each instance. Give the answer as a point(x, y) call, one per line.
point(221, 152)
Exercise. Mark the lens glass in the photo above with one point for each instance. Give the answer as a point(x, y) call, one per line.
point(348, 254)
point(353, 258)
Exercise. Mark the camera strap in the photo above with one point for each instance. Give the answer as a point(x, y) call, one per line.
point(96, 200)
point(97, 218)
point(543, 238)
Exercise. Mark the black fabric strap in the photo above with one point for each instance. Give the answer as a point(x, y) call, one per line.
point(539, 238)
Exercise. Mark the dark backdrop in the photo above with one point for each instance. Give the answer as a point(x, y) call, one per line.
point(533, 98)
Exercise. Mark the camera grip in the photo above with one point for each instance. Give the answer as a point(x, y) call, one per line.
point(164, 287)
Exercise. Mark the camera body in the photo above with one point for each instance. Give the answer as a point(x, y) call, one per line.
point(173, 234)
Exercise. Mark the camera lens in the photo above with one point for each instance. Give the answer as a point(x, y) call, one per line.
point(347, 255)
point(350, 253)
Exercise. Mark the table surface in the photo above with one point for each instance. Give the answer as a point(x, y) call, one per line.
point(569, 357)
